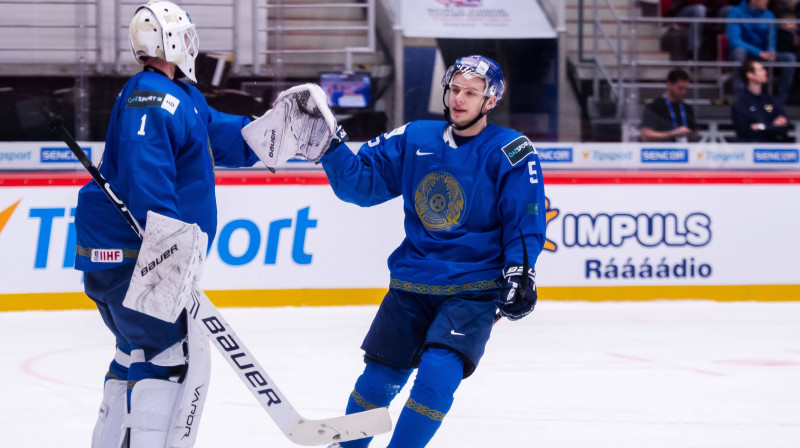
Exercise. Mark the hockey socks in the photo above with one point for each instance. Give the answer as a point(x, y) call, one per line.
point(375, 388)
point(438, 377)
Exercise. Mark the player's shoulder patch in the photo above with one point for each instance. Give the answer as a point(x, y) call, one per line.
point(152, 98)
point(518, 149)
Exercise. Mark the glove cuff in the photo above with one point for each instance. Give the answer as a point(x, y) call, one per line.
point(514, 270)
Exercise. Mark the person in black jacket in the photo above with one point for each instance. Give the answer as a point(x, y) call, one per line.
point(757, 116)
point(667, 118)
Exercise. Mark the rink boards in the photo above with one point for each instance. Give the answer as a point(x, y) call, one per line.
point(287, 240)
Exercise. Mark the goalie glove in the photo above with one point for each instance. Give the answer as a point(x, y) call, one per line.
point(300, 123)
point(517, 292)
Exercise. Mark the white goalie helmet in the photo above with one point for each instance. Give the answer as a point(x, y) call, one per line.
point(164, 30)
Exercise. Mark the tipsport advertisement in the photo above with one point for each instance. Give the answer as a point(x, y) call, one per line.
point(599, 236)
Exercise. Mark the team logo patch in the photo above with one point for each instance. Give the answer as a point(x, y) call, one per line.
point(146, 98)
point(439, 201)
point(518, 149)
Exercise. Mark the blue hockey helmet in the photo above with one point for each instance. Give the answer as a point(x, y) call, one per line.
point(482, 67)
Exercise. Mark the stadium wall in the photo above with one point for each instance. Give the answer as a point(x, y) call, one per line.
point(286, 240)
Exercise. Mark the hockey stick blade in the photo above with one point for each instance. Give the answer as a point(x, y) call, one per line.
point(295, 427)
point(340, 429)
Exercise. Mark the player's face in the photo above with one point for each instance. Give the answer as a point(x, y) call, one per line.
point(466, 98)
point(677, 90)
point(759, 73)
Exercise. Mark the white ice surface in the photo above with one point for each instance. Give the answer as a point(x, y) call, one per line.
point(571, 375)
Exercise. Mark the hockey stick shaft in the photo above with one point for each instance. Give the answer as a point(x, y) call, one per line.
point(57, 126)
point(297, 428)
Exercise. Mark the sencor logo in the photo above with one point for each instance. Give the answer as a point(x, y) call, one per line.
point(665, 155)
point(776, 156)
point(61, 155)
point(563, 155)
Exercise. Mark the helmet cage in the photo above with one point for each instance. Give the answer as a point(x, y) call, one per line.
point(164, 30)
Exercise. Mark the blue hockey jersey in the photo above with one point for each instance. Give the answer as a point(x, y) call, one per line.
point(162, 145)
point(464, 206)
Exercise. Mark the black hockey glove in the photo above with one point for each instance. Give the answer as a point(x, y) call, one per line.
point(517, 292)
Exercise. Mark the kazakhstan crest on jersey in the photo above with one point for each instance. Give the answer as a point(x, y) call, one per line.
point(439, 201)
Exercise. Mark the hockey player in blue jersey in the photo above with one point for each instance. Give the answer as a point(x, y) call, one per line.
point(473, 199)
point(162, 145)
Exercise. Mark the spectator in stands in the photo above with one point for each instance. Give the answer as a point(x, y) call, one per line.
point(787, 37)
point(697, 9)
point(691, 9)
point(757, 41)
point(667, 118)
point(757, 117)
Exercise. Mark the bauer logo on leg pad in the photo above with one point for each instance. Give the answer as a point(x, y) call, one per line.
point(169, 261)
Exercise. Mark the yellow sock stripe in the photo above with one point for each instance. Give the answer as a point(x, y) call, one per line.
point(432, 414)
point(362, 402)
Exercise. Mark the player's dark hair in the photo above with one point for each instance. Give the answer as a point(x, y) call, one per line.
point(676, 75)
point(748, 66)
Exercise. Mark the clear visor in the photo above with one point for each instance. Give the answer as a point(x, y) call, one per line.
point(464, 91)
point(467, 74)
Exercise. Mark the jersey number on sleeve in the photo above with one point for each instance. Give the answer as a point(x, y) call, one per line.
point(531, 170)
point(141, 129)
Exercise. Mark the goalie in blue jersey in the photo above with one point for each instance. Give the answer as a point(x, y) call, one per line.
point(474, 208)
point(163, 144)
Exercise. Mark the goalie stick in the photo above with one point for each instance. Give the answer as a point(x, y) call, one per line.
point(294, 426)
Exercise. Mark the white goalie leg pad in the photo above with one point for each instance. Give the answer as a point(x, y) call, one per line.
point(166, 413)
point(108, 429)
point(300, 123)
point(186, 420)
point(153, 404)
point(169, 261)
